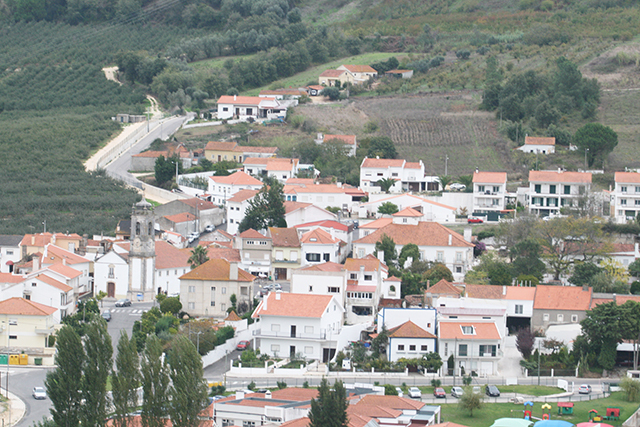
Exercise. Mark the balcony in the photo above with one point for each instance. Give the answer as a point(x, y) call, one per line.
point(45, 331)
point(322, 336)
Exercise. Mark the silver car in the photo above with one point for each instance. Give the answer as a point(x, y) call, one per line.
point(39, 393)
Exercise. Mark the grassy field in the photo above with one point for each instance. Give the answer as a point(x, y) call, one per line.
point(490, 412)
point(618, 109)
point(210, 64)
point(302, 79)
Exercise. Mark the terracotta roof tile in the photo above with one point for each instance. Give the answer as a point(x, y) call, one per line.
point(598, 301)
point(394, 402)
point(484, 291)
point(347, 139)
point(418, 200)
point(383, 163)
point(325, 266)
point(252, 234)
point(555, 176)
point(293, 305)
point(378, 223)
point(299, 181)
point(198, 203)
point(220, 146)
point(300, 422)
point(20, 306)
point(409, 330)
point(370, 264)
point(375, 411)
point(284, 237)
point(444, 288)
point(359, 68)
point(278, 164)
point(65, 270)
point(413, 165)
point(243, 195)
point(216, 269)
point(290, 206)
point(483, 331)
point(332, 73)
point(490, 177)
point(230, 254)
point(181, 217)
point(53, 282)
point(327, 223)
point(422, 234)
point(151, 154)
point(318, 237)
point(561, 298)
point(537, 140)
point(10, 278)
point(236, 178)
point(627, 177)
point(524, 293)
point(232, 317)
point(242, 100)
point(408, 212)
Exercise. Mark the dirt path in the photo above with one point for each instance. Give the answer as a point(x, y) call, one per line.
point(110, 73)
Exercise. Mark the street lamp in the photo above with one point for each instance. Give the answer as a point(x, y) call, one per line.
point(586, 150)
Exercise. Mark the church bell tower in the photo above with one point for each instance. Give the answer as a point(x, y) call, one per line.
point(142, 253)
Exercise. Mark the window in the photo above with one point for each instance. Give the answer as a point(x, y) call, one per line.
point(27, 297)
point(225, 108)
point(310, 288)
point(13, 337)
point(637, 202)
point(308, 349)
point(308, 329)
point(623, 188)
point(462, 350)
point(394, 174)
point(545, 317)
point(294, 256)
point(224, 290)
point(488, 350)
point(424, 348)
point(244, 290)
point(458, 256)
point(368, 277)
point(400, 347)
point(574, 318)
point(275, 327)
point(412, 347)
point(279, 255)
point(538, 189)
point(560, 317)
point(360, 253)
point(313, 257)
point(333, 289)
point(623, 201)
point(467, 330)
point(248, 423)
point(192, 289)
point(637, 189)
point(481, 188)
point(275, 348)
point(223, 307)
point(353, 276)
point(34, 284)
point(552, 189)
point(11, 252)
point(440, 256)
point(496, 189)
point(111, 274)
point(192, 306)
point(458, 269)
point(326, 257)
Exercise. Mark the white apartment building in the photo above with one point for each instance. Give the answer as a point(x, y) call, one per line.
point(625, 199)
point(489, 191)
point(549, 191)
point(409, 176)
point(221, 188)
point(236, 207)
point(278, 168)
point(431, 211)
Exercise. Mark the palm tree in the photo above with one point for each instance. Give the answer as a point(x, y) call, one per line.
point(467, 181)
point(385, 184)
point(198, 256)
point(445, 180)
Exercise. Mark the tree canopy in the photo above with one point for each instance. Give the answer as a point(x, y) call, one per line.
point(600, 140)
point(388, 246)
point(330, 408)
point(266, 209)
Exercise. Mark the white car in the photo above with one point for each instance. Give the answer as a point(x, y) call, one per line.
point(457, 391)
point(209, 228)
point(414, 392)
point(193, 236)
point(457, 186)
point(39, 393)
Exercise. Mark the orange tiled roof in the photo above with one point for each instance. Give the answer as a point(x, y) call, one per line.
point(236, 178)
point(284, 237)
point(290, 206)
point(20, 306)
point(598, 301)
point(347, 139)
point(550, 297)
point(216, 269)
point(409, 330)
point(382, 163)
point(243, 195)
point(220, 146)
point(375, 411)
point(231, 255)
point(413, 165)
point(151, 154)
point(293, 305)
point(484, 291)
point(422, 234)
point(325, 266)
point(394, 402)
point(278, 164)
point(627, 177)
point(53, 282)
point(10, 278)
point(483, 331)
point(444, 288)
point(555, 176)
point(370, 264)
point(65, 270)
point(58, 254)
point(378, 223)
point(418, 199)
point(490, 177)
point(242, 100)
point(300, 422)
point(198, 203)
point(232, 317)
point(537, 140)
point(408, 212)
point(252, 234)
point(525, 293)
point(181, 217)
point(318, 237)
point(360, 68)
point(332, 73)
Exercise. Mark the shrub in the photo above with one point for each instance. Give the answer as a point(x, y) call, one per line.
point(463, 54)
point(390, 390)
point(252, 386)
point(631, 388)
point(436, 383)
point(281, 384)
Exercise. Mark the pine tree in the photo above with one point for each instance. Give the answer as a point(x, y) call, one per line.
point(189, 390)
point(125, 380)
point(155, 384)
point(63, 384)
point(97, 366)
point(330, 408)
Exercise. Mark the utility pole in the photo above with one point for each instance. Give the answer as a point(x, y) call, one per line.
point(538, 362)
point(586, 150)
point(45, 225)
point(446, 164)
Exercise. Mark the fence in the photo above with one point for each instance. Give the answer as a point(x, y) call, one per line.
point(222, 350)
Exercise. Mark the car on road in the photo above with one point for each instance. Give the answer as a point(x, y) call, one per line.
point(439, 393)
point(193, 236)
point(243, 345)
point(123, 302)
point(415, 393)
point(476, 389)
point(400, 392)
point(585, 389)
point(209, 228)
point(457, 186)
point(39, 393)
point(276, 286)
point(492, 391)
point(106, 315)
point(457, 391)
point(474, 220)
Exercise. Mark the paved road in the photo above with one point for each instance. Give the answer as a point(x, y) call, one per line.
point(21, 382)
point(122, 318)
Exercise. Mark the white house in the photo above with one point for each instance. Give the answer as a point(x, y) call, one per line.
point(43, 289)
point(221, 188)
point(473, 310)
point(431, 211)
point(292, 324)
point(236, 207)
point(549, 191)
point(489, 191)
point(409, 176)
point(275, 167)
point(361, 73)
point(364, 288)
point(245, 107)
point(325, 195)
point(65, 274)
point(297, 213)
point(111, 273)
point(435, 242)
point(319, 246)
point(349, 142)
point(409, 341)
point(425, 318)
point(475, 346)
point(338, 230)
point(539, 145)
point(327, 278)
point(9, 252)
point(54, 254)
point(625, 199)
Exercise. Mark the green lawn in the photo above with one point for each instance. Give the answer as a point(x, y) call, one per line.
point(301, 79)
point(491, 412)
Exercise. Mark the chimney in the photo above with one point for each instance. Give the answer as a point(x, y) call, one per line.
point(320, 136)
point(504, 289)
point(33, 240)
point(239, 394)
point(264, 302)
point(267, 394)
point(53, 238)
point(233, 271)
point(636, 250)
point(64, 261)
point(235, 97)
point(477, 171)
point(450, 239)
point(36, 263)
point(559, 169)
point(467, 234)
point(381, 256)
point(585, 288)
point(278, 295)
point(361, 276)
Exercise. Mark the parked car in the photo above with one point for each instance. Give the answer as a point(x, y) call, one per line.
point(39, 393)
point(439, 392)
point(277, 287)
point(474, 220)
point(585, 389)
point(123, 303)
point(492, 391)
point(457, 186)
point(400, 392)
point(106, 315)
point(193, 236)
point(476, 389)
point(243, 345)
point(209, 228)
point(457, 391)
point(414, 392)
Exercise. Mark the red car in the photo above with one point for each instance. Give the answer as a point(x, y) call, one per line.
point(439, 392)
point(243, 345)
point(475, 220)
